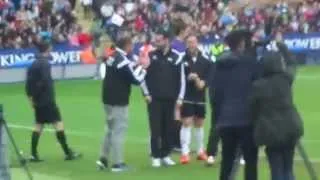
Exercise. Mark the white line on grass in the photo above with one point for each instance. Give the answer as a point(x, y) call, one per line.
point(97, 135)
point(144, 141)
point(308, 77)
point(18, 173)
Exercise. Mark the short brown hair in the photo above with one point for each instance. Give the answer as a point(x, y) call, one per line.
point(122, 42)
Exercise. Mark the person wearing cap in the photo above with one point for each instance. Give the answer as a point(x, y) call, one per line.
point(232, 82)
point(164, 89)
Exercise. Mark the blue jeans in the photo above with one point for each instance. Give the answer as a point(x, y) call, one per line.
point(281, 160)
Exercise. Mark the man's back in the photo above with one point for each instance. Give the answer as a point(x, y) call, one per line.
point(232, 85)
point(275, 115)
point(39, 82)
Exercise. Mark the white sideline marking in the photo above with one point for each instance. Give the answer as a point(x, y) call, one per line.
point(145, 141)
point(20, 174)
point(87, 134)
point(95, 135)
point(296, 158)
point(308, 77)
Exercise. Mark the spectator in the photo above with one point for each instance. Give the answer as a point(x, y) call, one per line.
point(86, 4)
point(23, 27)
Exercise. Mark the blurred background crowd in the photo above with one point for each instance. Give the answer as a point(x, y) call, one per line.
point(23, 22)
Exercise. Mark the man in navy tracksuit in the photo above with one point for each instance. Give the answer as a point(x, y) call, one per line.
point(164, 89)
point(232, 84)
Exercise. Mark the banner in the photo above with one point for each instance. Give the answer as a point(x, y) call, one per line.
point(61, 54)
point(303, 43)
point(305, 46)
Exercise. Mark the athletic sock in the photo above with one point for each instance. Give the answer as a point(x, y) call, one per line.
point(63, 142)
point(199, 136)
point(34, 143)
point(185, 135)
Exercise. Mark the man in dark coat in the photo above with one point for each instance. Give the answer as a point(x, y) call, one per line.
point(232, 84)
point(278, 125)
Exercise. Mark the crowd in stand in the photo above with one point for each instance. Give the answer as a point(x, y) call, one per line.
point(24, 25)
point(56, 21)
point(220, 16)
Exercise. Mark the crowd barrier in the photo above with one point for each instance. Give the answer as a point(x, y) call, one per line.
point(67, 62)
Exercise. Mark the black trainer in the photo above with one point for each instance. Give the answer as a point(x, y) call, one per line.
point(73, 156)
point(102, 163)
point(120, 167)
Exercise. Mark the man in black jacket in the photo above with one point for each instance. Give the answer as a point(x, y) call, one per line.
point(197, 69)
point(163, 89)
point(40, 91)
point(121, 73)
point(232, 83)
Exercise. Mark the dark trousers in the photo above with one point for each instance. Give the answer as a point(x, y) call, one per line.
point(161, 118)
point(73, 4)
point(175, 132)
point(281, 161)
point(213, 141)
point(232, 138)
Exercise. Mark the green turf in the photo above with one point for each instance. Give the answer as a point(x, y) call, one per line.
point(83, 115)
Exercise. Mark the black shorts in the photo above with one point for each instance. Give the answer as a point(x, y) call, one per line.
point(197, 110)
point(47, 114)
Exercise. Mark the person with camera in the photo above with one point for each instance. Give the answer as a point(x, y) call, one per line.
point(278, 125)
point(232, 82)
point(41, 94)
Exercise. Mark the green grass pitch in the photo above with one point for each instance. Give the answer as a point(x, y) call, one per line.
point(83, 114)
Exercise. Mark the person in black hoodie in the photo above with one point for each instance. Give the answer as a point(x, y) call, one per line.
point(40, 91)
point(277, 123)
point(231, 86)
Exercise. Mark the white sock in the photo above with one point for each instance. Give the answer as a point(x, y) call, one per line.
point(199, 135)
point(185, 137)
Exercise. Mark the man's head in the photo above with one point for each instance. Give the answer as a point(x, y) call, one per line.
point(192, 43)
point(162, 40)
point(125, 43)
point(181, 29)
point(236, 40)
point(44, 47)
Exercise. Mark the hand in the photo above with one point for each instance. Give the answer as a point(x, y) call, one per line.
point(179, 103)
point(148, 99)
point(193, 76)
point(177, 113)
